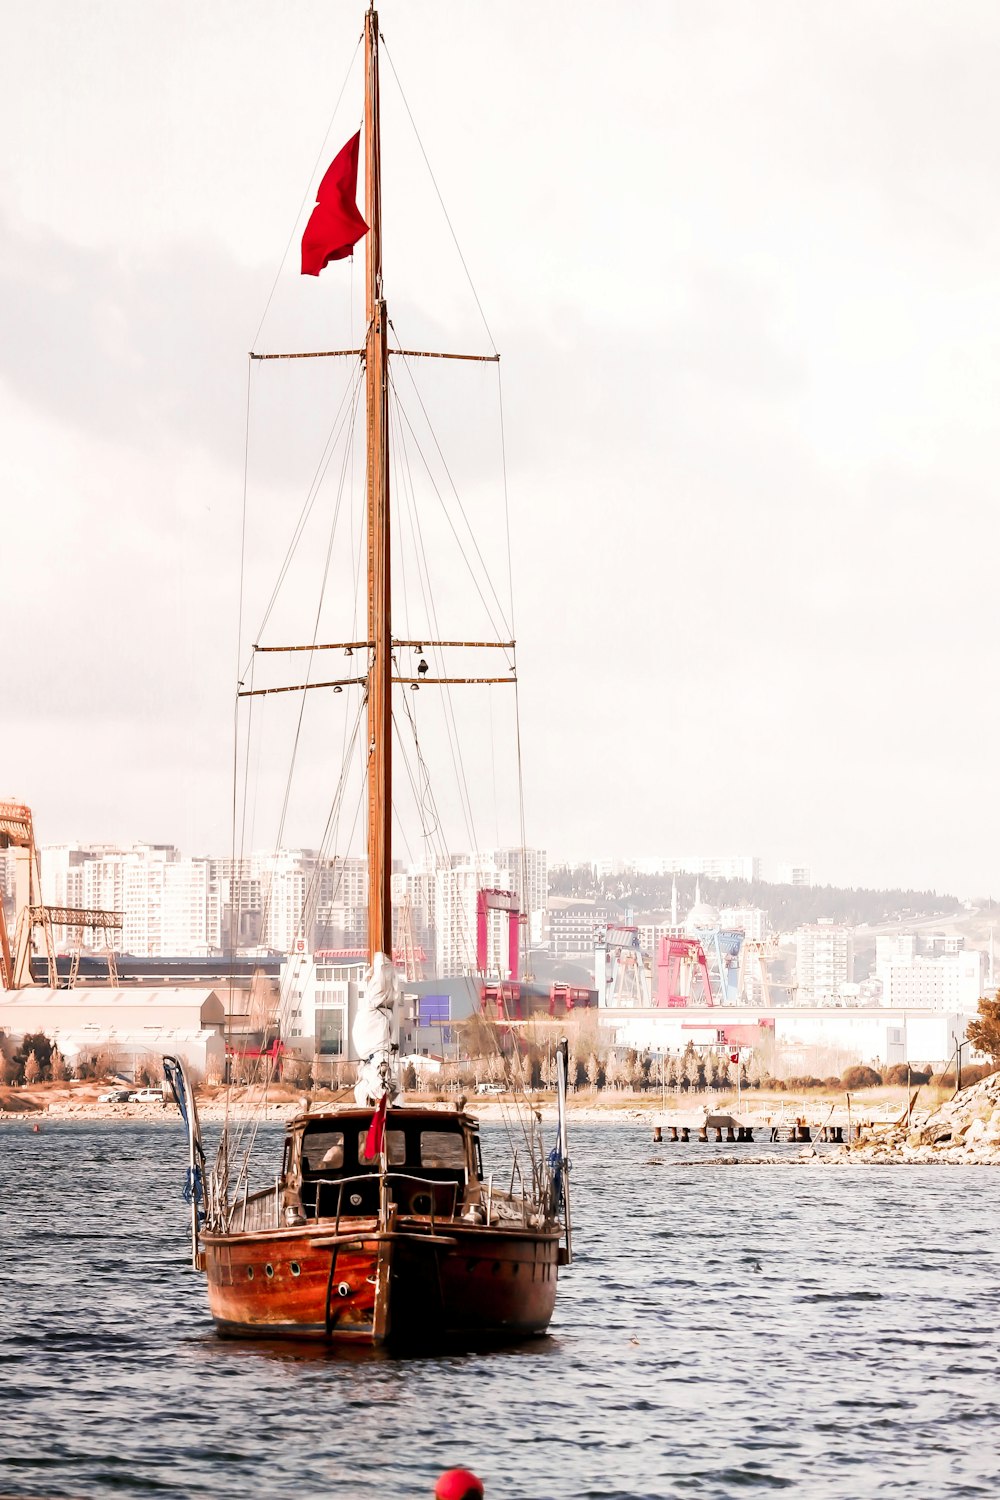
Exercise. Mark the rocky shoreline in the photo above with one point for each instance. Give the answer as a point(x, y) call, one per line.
point(963, 1131)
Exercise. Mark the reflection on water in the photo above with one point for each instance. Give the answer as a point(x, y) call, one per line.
point(725, 1331)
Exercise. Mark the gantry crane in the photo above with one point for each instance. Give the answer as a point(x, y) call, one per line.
point(30, 913)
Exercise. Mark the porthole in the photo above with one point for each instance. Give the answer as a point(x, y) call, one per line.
point(355, 1200)
point(249, 1273)
point(268, 1270)
point(295, 1268)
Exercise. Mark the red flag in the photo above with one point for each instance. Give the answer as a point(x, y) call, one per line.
point(376, 1131)
point(335, 226)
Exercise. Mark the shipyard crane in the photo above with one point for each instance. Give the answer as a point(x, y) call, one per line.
point(30, 913)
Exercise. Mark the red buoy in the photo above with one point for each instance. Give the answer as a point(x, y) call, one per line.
point(458, 1484)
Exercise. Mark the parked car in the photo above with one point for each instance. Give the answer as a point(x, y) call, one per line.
point(146, 1096)
point(115, 1096)
point(490, 1088)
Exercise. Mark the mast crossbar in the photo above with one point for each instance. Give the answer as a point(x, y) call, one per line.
point(300, 687)
point(326, 646)
point(483, 359)
point(314, 354)
point(448, 681)
point(479, 645)
point(342, 682)
point(367, 645)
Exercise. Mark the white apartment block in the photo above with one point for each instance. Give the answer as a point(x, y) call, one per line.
point(572, 925)
point(824, 961)
point(752, 921)
point(529, 868)
point(933, 971)
point(456, 892)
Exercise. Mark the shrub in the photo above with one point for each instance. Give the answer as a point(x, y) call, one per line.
point(860, 1077)
point(903, 1073)
point(974, 1073)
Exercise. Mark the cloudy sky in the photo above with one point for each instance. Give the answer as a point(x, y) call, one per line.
point(741, 262)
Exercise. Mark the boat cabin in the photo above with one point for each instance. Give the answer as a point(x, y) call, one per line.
point(434, 1164)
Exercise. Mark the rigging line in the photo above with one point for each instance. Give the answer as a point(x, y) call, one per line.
point(419, 786)
point(448, 708)
point(520, 800)
point(443, 852)
point(440, 199)
point(458, 501)
point(506, 505)
point(239, 652)
point(423, 577)
point(283, 998)
point(344, 415)
point(305, 196)
point(397, 487)
point(302, 702)
point(316, 622)
point(493, 773)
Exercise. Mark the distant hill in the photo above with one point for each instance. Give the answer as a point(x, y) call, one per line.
point(788, 906)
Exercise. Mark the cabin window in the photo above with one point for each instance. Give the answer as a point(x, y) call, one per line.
point(395, 1143)
point(442, 1148)
point(323, 1150)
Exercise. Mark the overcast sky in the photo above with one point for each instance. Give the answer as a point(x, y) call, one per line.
point(741, 262)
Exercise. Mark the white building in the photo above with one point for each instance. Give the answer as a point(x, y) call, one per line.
point(752, 921)
point(941, 982)
point(456, 894)
point(529, 880)
point(319, 1002)
point(824, 960)
point(797, 1038)
point(126, 1025)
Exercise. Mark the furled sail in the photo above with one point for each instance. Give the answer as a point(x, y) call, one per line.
point(374, 1031)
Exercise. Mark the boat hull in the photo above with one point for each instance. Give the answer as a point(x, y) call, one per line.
point(408, 1286)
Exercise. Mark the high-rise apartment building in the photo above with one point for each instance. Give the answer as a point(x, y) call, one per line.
point(456, 897)
point(824, 961)
point(529, 880)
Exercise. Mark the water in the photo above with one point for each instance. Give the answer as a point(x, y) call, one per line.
point(861, 1357)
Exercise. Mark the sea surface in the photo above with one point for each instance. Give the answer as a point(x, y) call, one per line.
point(725, 1331)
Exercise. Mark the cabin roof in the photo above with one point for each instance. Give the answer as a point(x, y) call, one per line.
point(395, 1114)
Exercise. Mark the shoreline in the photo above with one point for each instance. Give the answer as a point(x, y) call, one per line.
point(961, 1131)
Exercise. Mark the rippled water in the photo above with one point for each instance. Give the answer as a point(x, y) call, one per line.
point(725, 1331)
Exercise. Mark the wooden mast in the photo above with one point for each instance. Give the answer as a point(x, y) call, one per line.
point(380, 659)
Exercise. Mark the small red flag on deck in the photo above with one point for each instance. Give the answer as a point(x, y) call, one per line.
point(335, 226)
point(376, 1131)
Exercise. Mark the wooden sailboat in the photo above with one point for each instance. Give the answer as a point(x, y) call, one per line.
point(380, 1226)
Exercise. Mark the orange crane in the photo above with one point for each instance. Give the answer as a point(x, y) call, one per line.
point(17, 832)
